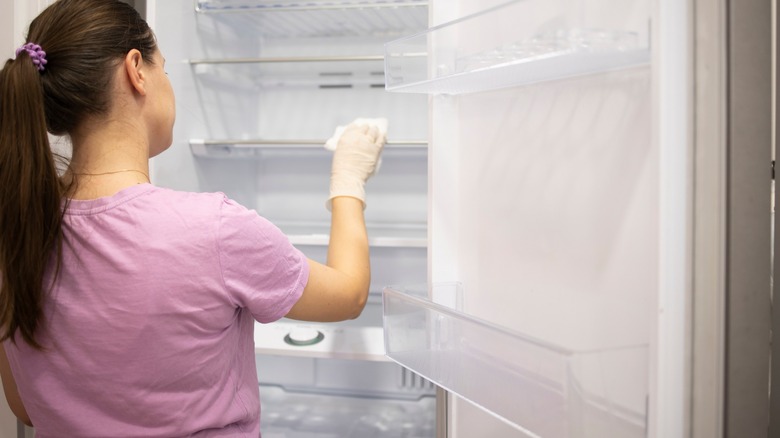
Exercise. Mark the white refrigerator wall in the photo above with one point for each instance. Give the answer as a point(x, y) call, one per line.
point(545, 205)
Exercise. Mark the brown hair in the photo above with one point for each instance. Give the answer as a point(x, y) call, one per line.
point(84, 41)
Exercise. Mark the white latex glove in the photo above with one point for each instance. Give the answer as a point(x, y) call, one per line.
point(381, 125)
point(354, 161)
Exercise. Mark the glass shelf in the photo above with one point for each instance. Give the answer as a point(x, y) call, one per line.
point(518, 43)
point(255, 148)
point(244, 6)
point(317, 18)
point(379, 235)
point(352, 71)
point(374, 242)
point(538, 388)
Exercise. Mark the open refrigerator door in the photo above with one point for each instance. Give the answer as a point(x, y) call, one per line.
point(538, 315)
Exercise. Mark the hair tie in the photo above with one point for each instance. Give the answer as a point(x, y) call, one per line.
point(37, 54)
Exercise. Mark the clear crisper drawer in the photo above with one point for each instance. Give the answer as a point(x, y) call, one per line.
point(536, 387)
point(334, 398)
point(521, 42)
point(311, 415)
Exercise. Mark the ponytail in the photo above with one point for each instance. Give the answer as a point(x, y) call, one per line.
point(61, 77)
point(30, 201)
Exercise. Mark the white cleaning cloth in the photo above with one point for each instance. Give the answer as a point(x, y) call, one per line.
point(380, 123)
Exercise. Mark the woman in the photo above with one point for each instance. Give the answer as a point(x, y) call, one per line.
point(128, 309)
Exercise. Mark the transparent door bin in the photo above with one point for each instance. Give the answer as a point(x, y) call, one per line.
point(534, 386)
point(518, 43)
point(322, 18)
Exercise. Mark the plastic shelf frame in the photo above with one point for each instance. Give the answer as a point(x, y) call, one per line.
point(539, 388)
point(322, 18)
point(272, 5)
point(256, 148)
point(518, 43)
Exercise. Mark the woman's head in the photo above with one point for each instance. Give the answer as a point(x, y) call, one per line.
point(85, 42)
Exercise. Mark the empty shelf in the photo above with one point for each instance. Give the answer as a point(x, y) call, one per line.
point(353, 71)
point(289, 18)
point(287, 59)
point(538, 388)
point(379, 236)
point(518, 43)
point(285, 5)
point(236, 148)
point(374, 242)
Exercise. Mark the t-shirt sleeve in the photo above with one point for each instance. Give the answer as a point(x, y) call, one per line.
point(262, 271)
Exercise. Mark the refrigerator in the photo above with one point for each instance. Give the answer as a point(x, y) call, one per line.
point(513, 249)
point(550, 205)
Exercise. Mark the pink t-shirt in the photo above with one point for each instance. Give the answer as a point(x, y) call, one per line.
point(149, 330)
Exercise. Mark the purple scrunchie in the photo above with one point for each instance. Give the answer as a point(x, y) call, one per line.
point(37, 54)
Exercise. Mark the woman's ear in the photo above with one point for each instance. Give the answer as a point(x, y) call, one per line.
point(134, 64)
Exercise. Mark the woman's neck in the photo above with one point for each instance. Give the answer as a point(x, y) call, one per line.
point(106, 159)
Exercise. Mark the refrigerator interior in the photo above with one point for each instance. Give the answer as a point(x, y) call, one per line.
point(260, 85)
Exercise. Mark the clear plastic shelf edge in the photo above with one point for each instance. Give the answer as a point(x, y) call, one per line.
point(519, 43)
point(536, 387)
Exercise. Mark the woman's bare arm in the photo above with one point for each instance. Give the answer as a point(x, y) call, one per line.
point(338, 290)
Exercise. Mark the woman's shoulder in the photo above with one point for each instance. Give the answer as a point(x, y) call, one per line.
point(184, 196)
point(206, 205)
point(196, 201)
point(185, 212)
